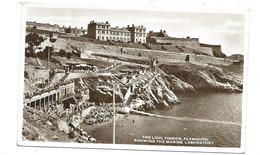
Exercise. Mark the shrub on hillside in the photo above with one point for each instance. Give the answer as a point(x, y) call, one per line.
point(69, 55)
point(164, 48)
point(45, 52)
point(146, 46)
point(29, 52)
point(72, 134)
point(62, 53)
point(26, 75)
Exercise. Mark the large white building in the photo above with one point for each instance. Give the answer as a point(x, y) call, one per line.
point(104, 32)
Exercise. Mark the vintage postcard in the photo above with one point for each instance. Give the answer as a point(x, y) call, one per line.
point(133, 79)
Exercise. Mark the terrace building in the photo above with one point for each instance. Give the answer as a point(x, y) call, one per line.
point(99, 30)
point(104, 32)
point(44, 100)
point(138, 34)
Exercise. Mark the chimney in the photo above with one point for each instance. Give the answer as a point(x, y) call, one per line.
point(188, 37)
point(63, 26)
point(133, 25)
point(142, 26)
point(161, 31)
point(81, 27)
point(106, 22)
point(69, 26)
point(127, 26)
point(164, 31)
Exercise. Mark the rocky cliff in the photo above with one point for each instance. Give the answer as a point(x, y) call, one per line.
point(205, 76)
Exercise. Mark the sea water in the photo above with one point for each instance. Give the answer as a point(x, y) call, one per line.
point(207, 119)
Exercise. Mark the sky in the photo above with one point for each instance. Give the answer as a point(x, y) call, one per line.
point(222, 29)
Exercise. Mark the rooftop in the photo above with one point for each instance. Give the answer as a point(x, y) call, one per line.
point(99, 23)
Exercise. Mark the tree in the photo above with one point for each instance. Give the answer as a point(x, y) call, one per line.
point(33, 39)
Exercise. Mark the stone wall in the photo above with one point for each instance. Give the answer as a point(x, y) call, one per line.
point(198, 59)
point(189, 42)
point(206, 50)
point(217, 52)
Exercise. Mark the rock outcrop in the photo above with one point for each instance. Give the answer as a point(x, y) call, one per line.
point(101, 90)
point(205, 77)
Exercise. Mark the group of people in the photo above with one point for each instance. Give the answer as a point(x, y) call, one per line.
point(111, 104)
point(98, 115)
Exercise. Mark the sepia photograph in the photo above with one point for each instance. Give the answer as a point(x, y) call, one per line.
point(133, 77)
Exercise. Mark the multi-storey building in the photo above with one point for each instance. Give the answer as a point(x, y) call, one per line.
point(98, 30)
point(75, 31)
point(138, 34)
point(119, 34)
point(104, 32)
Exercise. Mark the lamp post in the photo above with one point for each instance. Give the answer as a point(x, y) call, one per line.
point(114, 113)
point(53, 38)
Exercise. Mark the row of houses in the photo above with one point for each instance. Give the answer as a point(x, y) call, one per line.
point(56, 28)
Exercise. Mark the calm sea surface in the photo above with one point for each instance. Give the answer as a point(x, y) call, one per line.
point(214, 116)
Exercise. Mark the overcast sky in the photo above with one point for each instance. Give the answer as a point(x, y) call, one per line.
point(222, 29)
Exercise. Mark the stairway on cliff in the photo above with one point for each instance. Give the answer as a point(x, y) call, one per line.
point(64, 77)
